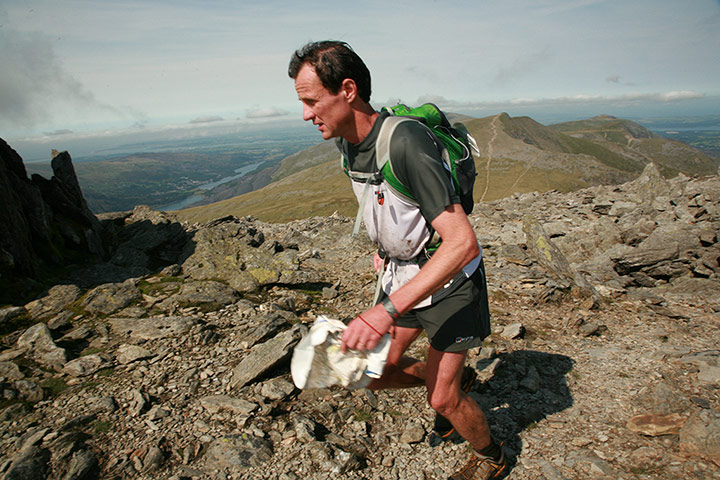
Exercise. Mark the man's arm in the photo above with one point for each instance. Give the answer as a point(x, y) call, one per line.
point(459, 246)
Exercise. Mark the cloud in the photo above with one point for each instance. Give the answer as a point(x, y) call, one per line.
point(207, 119)
point(56, 133)
point(267, 112)
point(522, 67)
point(618, 80)
point(663, 97)
point(34, 85)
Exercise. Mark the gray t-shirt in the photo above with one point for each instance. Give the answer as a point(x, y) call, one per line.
point(416, 162)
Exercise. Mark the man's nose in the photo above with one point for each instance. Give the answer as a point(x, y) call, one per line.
point(308, 114)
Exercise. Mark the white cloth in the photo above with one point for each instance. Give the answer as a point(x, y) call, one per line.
point(318, 361)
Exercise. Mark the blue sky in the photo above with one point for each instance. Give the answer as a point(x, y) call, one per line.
point(72, 67)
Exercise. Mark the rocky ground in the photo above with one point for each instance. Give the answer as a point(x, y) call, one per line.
point(171, 360)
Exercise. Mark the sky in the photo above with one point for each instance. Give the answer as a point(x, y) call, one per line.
point(75, 67)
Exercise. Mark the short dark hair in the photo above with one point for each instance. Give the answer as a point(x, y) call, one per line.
point(333, 62)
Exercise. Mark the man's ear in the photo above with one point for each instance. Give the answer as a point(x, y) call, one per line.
point(349, 89)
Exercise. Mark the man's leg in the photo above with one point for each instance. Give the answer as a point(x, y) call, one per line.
point(443, 372)
point(401, 371)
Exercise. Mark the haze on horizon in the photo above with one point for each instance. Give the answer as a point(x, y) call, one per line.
point(81, 68)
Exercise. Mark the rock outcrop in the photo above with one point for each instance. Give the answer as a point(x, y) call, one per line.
point(45, 223)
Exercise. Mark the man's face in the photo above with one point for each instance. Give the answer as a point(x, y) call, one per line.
point(330, 112)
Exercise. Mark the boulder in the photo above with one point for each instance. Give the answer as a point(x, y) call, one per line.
point(265, 356)
point(231, 249)
point(39, 345)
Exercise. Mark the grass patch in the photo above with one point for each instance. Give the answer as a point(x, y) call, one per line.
point(54, 386)
point(362, 415)
point(102, 427)
point(92, 351)
point(166, 285)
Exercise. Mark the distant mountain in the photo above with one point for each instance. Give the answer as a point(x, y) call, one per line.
point(517, 155)
point(630, 139)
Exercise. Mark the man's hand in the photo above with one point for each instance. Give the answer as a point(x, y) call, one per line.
point(365, 331)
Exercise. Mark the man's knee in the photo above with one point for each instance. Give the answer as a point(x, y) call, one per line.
point(444, 402)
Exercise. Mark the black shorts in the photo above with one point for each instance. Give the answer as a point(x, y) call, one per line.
point(460, 320)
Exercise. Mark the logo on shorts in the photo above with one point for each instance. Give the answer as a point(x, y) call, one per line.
point(464, 339)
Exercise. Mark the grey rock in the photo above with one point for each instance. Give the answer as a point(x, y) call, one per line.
point(238, 452)
point(662, 398)
point(10, 313)
point(126, 354)
point(57, 298)
point(10, 371)
point(587, 329)
point(45, 222)
point(151, 328)
point(237, 406)
point(413, 432)
point(13, 412)
point(229, 249)
point(139, 402)
point(149, 239)
point(650, 184)
point(700, 436)
point(39, 345)
point(547, 254)
point(29, 390)
point(66, 444)
point(595, 465)
point(154, 460)
point(513, 331)
point(708, 363)
point(83, 465)
point(262, 328)
point(644, 257)
point(29, 464)
point(85, 366)
point(329, 293)
point(78, 422)
point(157, 413)
point(32, 437)
point(266, 355)
point(277, 388)
point(207, 295)
point(103, 404)
point(304, 429)
point(111, 297)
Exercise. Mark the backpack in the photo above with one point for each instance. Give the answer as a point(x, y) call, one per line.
point(457, 156)
point(458, 147)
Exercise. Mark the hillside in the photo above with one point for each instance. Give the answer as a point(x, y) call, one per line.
point(518, 155)
point(632, 140)
point(170, 358)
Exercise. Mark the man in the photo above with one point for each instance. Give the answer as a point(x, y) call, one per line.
point(443, 293)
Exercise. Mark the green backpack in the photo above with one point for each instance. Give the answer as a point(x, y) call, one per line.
point(457, 154)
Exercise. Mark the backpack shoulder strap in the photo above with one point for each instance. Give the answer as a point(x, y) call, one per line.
point(382, 145)
point(382, 155)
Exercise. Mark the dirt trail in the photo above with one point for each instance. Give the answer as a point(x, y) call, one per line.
point(493, 127)
point(530, 164)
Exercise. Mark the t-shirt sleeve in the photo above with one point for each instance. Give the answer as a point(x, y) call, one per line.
point(417, 163)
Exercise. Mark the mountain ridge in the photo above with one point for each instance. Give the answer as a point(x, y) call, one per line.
point(517, 155)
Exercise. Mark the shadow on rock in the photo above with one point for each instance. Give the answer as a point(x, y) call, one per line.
point(523, 388)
